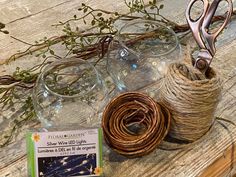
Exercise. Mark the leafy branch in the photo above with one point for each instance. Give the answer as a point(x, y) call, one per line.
point(102, 20)
point(24, 115)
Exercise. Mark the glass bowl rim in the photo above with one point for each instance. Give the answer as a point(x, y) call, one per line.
point(69, 61)
point(132, 22)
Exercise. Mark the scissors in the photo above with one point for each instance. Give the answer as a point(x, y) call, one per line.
point(200, 29)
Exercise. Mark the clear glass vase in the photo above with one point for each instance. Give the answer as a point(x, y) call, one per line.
point(69, 91)
point(140, 53)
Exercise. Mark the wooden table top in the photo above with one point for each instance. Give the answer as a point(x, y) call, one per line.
point(214, 155)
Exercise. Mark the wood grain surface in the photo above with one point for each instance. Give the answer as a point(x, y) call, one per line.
point(214, 155)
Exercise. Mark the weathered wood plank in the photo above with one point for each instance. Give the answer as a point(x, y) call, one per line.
point(210, 156)
point(222, 164)
point(12, 11)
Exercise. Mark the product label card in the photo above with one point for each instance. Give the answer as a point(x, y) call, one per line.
point(65, 153)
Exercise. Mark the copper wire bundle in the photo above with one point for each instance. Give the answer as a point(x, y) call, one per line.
point(192, 98)
point(134, 124)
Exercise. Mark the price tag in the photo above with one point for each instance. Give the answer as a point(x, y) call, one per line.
point(65, 153)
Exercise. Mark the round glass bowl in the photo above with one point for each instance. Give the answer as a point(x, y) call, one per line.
point(69, 91)
point(139, 54)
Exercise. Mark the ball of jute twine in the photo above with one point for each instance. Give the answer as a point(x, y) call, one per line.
point(134, 124)
point(192, 98)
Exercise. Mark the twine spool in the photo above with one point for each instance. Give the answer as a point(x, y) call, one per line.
point(192, 99)
point(134, 124)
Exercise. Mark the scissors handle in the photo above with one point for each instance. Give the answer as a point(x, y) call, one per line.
point(200, 29)
point(210, 37)
point(195, 25)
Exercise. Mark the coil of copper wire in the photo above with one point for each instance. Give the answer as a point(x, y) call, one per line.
point(134, 124)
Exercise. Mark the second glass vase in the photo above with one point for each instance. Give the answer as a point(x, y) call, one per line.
point(140, 53)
